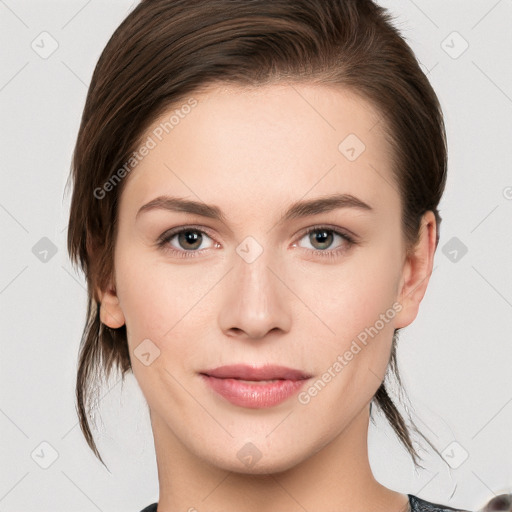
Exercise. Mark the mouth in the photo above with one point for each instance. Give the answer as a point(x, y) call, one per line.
point(268, 373)
point(255, 387)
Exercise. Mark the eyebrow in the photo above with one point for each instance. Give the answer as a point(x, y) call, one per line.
point(295, 211)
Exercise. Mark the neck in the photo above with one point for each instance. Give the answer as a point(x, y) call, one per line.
point(336, 477)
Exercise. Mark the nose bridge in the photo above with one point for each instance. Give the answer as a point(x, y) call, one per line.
point(255, 302)
point(257, 288)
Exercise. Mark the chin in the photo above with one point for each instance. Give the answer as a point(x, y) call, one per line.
point(250, 460)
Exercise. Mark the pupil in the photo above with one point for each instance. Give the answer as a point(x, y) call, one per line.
point(318, 235)
point(189, 237)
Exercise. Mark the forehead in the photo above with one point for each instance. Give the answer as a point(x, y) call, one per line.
point(275, 142)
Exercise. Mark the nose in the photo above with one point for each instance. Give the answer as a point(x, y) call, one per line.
point(255, 299)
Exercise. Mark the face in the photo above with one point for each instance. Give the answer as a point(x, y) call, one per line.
point(253, 279)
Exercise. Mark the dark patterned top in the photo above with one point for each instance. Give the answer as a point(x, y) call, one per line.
point(419, 505)
point(416, 505)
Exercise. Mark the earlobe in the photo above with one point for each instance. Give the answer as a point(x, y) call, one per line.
point(111, 313)
point(110, 309)
point(416, 272)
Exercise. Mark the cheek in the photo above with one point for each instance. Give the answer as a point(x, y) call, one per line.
point(158, 304)
point(161, 300)
point(357, 301)
point(143, 295)
point(352, 295)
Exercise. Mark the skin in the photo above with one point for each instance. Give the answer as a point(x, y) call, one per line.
point(252, 153)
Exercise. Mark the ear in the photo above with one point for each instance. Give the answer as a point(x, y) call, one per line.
point(416, 271)
point(111, 313)
point(110, 309)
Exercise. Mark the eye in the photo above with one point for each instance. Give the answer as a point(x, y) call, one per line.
point(186, 242)
point(322, 238)
point(181, 241)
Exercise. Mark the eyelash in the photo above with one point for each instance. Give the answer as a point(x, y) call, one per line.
point(166, 237)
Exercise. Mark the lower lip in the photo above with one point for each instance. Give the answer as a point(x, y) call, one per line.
point(254, 396)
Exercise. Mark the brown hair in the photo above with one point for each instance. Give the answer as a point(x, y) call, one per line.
point(166, 50)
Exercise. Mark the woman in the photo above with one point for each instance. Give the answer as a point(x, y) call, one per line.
point(255, 201)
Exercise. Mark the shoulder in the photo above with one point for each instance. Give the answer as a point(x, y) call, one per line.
point(419, 505)
point(150, 508)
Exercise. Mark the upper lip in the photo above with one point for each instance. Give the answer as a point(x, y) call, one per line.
point(246, 372)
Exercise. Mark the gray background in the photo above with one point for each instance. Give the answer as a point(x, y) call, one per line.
point(455, 358)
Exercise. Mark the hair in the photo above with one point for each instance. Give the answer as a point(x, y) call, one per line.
point(166, 50)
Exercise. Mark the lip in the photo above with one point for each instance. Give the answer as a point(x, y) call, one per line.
point(246, 372)
point(230, 383)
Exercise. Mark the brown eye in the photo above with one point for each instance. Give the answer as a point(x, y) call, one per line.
point(185, 240)
point(190, 239)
